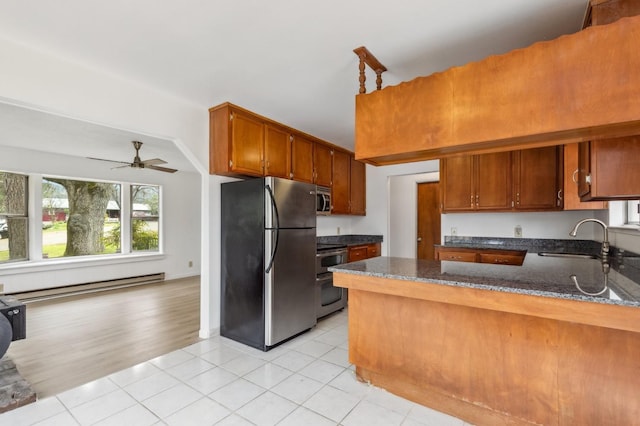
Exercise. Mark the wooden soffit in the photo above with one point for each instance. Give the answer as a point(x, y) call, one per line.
point(577, 87)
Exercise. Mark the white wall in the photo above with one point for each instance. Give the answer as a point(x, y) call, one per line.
point(36, 78)
point(534, 224)
point(403, 220)
point(378, 199)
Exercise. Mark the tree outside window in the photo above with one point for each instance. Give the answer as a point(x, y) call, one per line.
point(14, 229)
point(77, 216)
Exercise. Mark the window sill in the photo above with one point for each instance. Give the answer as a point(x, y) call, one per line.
point(44, 265)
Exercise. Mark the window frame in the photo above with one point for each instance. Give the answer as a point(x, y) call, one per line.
point(36, 262)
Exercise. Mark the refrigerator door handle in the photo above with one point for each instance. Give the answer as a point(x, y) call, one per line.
point(274, 207)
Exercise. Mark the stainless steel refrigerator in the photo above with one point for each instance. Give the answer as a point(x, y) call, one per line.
point(268, 245)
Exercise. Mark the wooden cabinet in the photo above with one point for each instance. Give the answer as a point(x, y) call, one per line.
point(242, 143)
point(479, 255)
point(602, 12)
point(538, 178)
point(277, 152)
point(570, 187)
point(239, 142)
point(322, 164)
point(609, 169)
point(340, 190)
point(349, 184)
point(363, 251)
point(503, 181)
point(477, 182)
point(357, 187)
point(302, 159)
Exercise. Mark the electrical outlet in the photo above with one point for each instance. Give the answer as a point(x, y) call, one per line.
point(190, 263)
point(338, 230)
point(517, 231)
point(454, 230)
point(1, 288)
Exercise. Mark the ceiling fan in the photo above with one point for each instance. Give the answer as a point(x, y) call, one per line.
point(139, 164)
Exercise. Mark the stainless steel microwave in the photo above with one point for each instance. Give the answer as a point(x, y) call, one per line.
point(323, 200)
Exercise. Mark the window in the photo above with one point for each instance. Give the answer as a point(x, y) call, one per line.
point(79, 217)
point(633, 212)
point(14, 224)
point(145, 217)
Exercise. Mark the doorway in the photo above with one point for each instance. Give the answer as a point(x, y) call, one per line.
point(428, 227)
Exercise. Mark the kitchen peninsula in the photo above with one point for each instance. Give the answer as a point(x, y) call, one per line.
point(496, 344)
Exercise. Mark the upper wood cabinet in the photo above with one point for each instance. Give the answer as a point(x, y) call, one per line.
point(357, 187)
point(476, 182)
point(537, 178)
point(277, 152)
point(340, 190)
point(349, 185)
point(322, 163)
point(570, 192)
point(609, 169)
point(239, 142)
point(504, 181)
point(302, 159)
point(242, 143)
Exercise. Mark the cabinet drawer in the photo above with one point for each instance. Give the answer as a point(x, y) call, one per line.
point(373, 250)
point(501, 259)
point(458, 256)
point(357, 253)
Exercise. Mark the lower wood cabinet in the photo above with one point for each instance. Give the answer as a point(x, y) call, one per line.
point(480, 255)
point(364, 251)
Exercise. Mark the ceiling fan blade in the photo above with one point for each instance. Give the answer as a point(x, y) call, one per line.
point(122, 167)
point(110, 161)
point(153, 162)
point(162, 169)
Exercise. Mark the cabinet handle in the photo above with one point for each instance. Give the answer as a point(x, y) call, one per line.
point(560, 194)
point(517, 198)
point(477, 200)
point(573, 176)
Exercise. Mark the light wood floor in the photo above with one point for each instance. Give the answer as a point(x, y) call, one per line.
point(75, 340)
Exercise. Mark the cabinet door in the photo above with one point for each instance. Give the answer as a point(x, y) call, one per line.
point(584, 170)
point(322, 163)
point(570, 187)
point(456, 175)
point(277, 152)
point(302, 159)
point(493, 181)
point(373, 250)
point(247, 143)
point(358, 187)
point(615, 169)
point(538, 177)
point(340, 188)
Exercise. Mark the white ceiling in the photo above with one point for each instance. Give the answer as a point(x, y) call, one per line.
point(289, 60)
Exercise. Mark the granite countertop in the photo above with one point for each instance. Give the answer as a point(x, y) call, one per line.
point(349, 240)
point(538, 275)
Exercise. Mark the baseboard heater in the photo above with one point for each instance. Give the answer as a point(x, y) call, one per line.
point(72, 290)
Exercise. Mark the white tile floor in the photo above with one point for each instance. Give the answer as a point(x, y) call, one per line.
point(305, 382)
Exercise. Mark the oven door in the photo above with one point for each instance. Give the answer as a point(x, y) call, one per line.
point(326, 259)
point(328, 298)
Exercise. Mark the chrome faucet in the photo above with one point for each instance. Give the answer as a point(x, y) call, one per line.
point(605, 240)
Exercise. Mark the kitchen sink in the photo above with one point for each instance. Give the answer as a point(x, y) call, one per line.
point(570, 255)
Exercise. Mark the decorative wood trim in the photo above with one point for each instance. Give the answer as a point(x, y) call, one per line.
point(575, 88)
point(367, 58)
